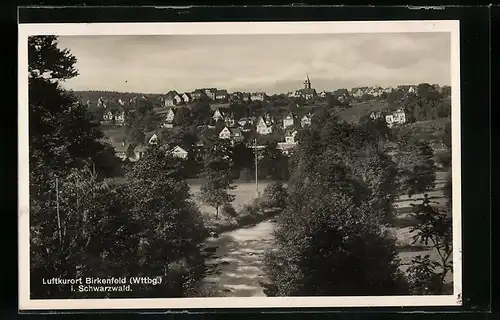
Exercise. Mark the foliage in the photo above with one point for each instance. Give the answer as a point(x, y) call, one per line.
point(330, 239)
point(242, 157)
point(273, 163)
point(217, 174)
point(95, 237)
point(276, 195)
point(326, 245)
point(183, 117)
point(92, 227)
point(415, 159)
point(170, 226)
point(434, 228)
point(422, 275)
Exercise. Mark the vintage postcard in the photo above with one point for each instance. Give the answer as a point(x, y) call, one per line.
point(239, 165)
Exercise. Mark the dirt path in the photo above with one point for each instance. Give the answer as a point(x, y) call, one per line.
point(236, 267)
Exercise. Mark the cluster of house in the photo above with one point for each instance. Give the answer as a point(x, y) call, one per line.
point(134, 153)
point(173, 98)
point(375, 91)
point(392, 118)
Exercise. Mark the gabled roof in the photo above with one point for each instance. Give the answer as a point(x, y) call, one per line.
point(171, 94)
point(225, 129)
point(220, 92)
point(178, 149)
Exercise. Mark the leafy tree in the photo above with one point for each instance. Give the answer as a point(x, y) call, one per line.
point(242, 156)
point(170, 225)
point(201, 112)
point(217, 174)
point(417, 169)
point(276, 195)
point(329, 242)
point(330, 238)
point(182, 117)
point(273, 163)
point(83, 230)
point(434, 228)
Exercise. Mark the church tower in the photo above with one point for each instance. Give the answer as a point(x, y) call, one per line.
point(307, 83)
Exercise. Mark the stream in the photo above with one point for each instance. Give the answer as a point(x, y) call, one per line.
point(235, 267)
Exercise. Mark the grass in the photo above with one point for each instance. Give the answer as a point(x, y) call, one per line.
point(360, 109)
point(428, 130)
point(244, 193)
point(115, 133)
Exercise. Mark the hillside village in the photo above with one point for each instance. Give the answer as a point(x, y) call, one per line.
point(214, 193)
point(249, 117)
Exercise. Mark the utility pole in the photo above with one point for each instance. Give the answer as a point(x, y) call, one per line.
point(256, 165)
point(57, 210)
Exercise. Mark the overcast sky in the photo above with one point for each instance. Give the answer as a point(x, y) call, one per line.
point(270, 63)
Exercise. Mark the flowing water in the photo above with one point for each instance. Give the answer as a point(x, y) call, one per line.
point(235, 269)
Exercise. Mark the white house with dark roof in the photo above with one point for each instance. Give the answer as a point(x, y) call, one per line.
point(264, 127)
point(197, 94)
point(306, 120)
point(221, 95)
point(290, 137)
point(229, 119)
point(107, 116)
point(225, 133)
point(168, 121)
point(186, 97)
point(210, 92)
point(258, 96)
point(217, 115)
point(289, 143)
point(289, 120)
point(397, 117)
point(120, 117)
point(171, 98)
point(153, 139)
point(179, 152)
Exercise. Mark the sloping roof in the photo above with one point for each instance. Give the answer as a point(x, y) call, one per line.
point(221, 92)
point(178, 149)
point(171, 94)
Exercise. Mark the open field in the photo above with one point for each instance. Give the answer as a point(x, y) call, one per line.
point(244, 193)
point(116, 134)
point(428, 130)
point(360, 109)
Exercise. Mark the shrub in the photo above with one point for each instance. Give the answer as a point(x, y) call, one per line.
point(229, 211)
point(275, 195)
point(332, 248)
point(444, 159)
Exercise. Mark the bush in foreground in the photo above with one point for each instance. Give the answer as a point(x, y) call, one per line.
point(332, 247)
point(275, 195)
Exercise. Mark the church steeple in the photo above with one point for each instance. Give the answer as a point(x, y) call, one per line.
point(307, 83)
